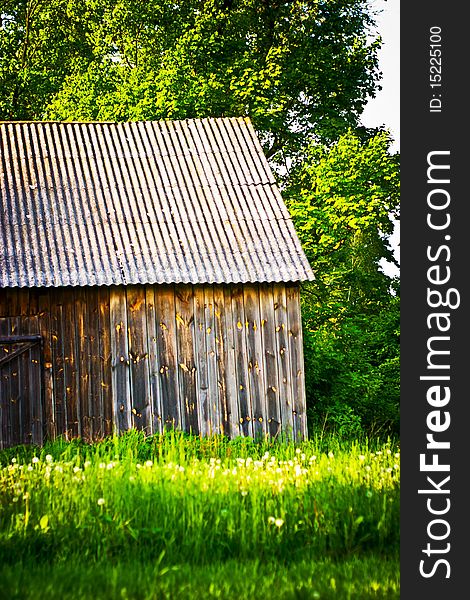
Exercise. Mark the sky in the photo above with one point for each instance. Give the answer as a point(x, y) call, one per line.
point(384, 109)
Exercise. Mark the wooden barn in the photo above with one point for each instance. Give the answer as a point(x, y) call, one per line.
point(149, 277)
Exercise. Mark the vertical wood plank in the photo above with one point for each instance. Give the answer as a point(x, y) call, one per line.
point(271, 377)
point(184, 304)
point(230, 364)
point(255, 359)
point(70, 362)
point(3, 304)
point(202, 378)
point(12, 301)
point(23, 302)
point(167, 354)
point(215, 410)
point(105, 360)
point(120, 360)
point(94, 362)
point(296, 361)
point(156, 409)
point(45, 330)
point(25, 368)
point(283, 359)
point(82, 344)
point(36, 391)
point(5, 393)
point(14, 367)
point(138, 355)
point(225, 356)
point(56, 321)
point(26, 373)
point(243, 390)
point(33, 306)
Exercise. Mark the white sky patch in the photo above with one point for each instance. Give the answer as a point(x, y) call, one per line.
point(384, 109)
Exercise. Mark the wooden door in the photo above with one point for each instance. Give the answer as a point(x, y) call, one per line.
point(21, 397)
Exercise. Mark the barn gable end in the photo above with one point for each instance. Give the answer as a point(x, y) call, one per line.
point(149, 277)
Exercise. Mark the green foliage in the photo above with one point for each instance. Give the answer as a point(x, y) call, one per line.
point(343, 199)
point(298, 69)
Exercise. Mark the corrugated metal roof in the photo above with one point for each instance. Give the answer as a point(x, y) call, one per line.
point(189, 201)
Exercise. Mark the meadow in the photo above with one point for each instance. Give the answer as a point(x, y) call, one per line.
point(176, 516)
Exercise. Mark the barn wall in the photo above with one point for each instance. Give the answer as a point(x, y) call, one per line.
point(205, 358)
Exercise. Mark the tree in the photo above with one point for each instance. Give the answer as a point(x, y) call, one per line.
point(343, 199)
point(300, 69)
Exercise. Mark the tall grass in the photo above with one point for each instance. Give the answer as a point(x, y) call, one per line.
point(181, 500)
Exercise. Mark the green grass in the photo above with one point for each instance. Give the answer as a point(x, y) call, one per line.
point(177, 516)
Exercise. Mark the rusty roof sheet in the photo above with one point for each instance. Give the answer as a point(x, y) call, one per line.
point(190, 201)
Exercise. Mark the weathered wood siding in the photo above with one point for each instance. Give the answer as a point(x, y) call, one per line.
point(204, 358)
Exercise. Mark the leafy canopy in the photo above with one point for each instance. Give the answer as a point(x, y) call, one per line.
point(300, 69)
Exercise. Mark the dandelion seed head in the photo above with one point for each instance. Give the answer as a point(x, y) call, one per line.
point(49, 458)
point(100, 501)
point(149, 463)
point(279, 523)
point(35, 459)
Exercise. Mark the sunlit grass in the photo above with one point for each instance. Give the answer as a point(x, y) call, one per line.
point(186, 503)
